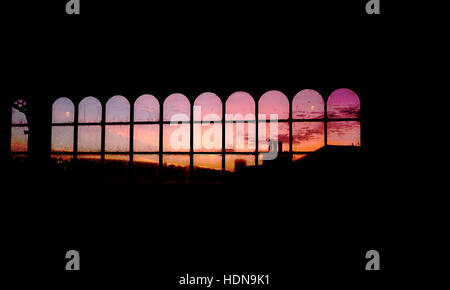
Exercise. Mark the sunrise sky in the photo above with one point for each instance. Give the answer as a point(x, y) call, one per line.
point(240, 137)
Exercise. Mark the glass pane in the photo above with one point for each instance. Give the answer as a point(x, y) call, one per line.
point(62, 139)
point(277, 132)
point(89, 138)
point(62, 157)
point(274, 103)
point(117, 138)
point(307, 136)
point(344, 133)
point(343, 103)
point(208, 107)
point(146, 138)
point(240, 106)
point(89, 158)
point(296, 157)
point(235, 163)
point(146, 109)
point(308, 104)
point(19, 139)
point(176, 168)
point(118, 109)
point(207, 168)
point(18, 118)
point(176, 138)
point(281, 160)
point(63, 111)
point(204, 162)
point(146, 167)
point(62, 161)
point(240, 137)
point(177, 106)
point(90, 110)
point(208, 137)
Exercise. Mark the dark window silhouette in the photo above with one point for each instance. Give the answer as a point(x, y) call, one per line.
point(120, 133)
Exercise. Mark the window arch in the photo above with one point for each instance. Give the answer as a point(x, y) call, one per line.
point(63, 118)
point(307, 104)
point(146, 109)
point(240, 131)
point(343, 104)
point(63, 111)
point(343, 110)
point(176, 106)
point(90, 110)
point(308, 133)
point(117, 110)
point(273, 117)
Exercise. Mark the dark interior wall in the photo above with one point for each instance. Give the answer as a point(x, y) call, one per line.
point(163, 231)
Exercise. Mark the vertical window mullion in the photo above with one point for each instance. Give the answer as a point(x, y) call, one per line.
point(325, 122)
point(191, 142)
point(103, 129)
point(131, 149)
point(223, 136)
point(256, 133)
point(161, 126)
point(75, 132)
point(290, 131)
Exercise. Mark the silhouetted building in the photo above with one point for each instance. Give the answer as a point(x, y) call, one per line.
point(239, 164)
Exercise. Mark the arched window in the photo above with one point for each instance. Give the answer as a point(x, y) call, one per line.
point(19, 129)
point(207, 134)
point(177, 112)
point(307, 131)
point(343, 104)
point(146, 137)
point(176, 137)
point(89, 130)
point(240, 131)
point(117, 136)
point(273, 117)
point(63, 118)
point(343, 110)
